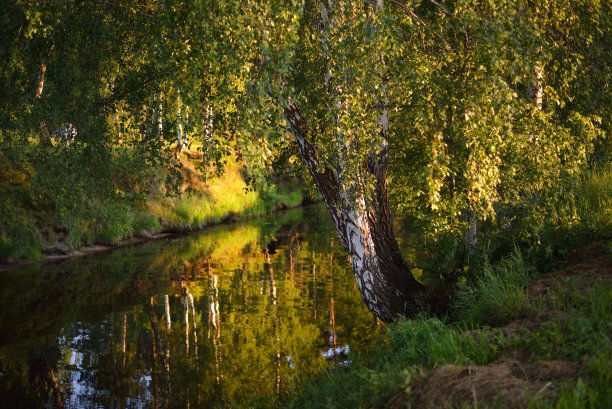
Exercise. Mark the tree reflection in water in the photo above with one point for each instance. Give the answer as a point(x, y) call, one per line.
point(142, 326)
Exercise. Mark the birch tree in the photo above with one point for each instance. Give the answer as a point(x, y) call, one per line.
point(447, 95)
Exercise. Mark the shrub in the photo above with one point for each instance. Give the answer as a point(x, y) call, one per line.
point(115, 221)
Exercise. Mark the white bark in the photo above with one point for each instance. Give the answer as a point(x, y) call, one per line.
point(179, 137)
point(160, 116)
point(365, 228)
point(41, 81)
point(167, 311)
point(538, 94)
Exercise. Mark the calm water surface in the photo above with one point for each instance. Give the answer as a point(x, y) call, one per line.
point(236, 316)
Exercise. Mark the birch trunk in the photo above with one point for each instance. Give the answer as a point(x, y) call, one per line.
point(538, 86)
point(179, 131)
point(207, 122)
point(41, 81)
point(363, 223)
point(45, 136)
point(160, 116)
point(365, 227)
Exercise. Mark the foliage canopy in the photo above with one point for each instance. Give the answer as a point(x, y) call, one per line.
point(488, 104)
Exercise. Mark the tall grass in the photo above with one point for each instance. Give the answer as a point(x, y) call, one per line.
point(581, 331)
point(221, 198)
point(495, 296)
point(583, 213)
point(581, 325)
point(590, 209)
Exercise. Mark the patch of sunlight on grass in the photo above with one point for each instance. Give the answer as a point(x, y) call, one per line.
point(222, 197)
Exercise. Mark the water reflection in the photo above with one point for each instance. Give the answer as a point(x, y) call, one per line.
point(234, 317)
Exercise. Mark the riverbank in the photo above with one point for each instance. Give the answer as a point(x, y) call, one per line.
point(223, 199)
point(531, 327)
point(62, 252)
point(83, 218)
point(550, 347)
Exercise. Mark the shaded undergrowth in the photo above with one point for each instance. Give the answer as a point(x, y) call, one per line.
point(496, 295)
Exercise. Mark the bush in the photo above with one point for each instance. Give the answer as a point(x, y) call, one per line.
point(115, 221)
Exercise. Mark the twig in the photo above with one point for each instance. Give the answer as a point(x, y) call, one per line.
point(543, 387)
point(444, 9)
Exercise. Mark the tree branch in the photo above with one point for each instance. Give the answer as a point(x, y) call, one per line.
point(444, 9)
point(323, 175)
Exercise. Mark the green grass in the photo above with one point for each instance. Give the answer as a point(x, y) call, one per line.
point(580, 326)
point(407, 348)
point(495, 296)
point(225, 197)
point(579, 330)
point(581, 214)
point(592, 204)
point(67, 198)
point(582, 332)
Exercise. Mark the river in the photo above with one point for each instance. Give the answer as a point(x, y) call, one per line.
point(236, 316)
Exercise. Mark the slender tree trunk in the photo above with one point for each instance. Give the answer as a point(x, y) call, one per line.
point(538, 86)
point(186, 128)
point(41, 81)
point(207, 124)
point(365, 227)
point(180, 135)
point(160, 116)
point(45, 136)
point(167, 312)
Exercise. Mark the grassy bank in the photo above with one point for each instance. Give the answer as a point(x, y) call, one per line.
point(220, 198)
point(53, 201)
point(515, 337)
point(535, 348)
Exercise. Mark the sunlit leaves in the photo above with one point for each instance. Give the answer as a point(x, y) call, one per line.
point(472, 137)
point(458, 85)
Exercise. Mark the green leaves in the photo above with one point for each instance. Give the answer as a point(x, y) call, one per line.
point(465, 132)
point(472, 138)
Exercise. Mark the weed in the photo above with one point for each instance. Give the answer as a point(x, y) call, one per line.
point(581, 325)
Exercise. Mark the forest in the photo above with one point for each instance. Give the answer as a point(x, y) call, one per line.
point(456, 155)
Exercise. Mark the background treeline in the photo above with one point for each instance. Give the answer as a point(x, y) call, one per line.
point(109, 113)
point(496, 111)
